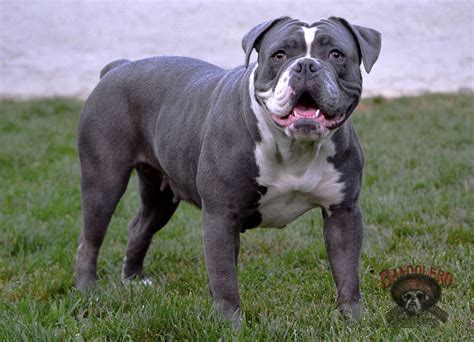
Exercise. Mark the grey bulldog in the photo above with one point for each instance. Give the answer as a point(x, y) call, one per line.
point(253, 146)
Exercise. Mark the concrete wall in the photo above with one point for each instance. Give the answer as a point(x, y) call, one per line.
point(52, 48)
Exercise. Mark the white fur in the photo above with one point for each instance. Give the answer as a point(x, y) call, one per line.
point(297, 174)
point(309, 34)
point(278, 101)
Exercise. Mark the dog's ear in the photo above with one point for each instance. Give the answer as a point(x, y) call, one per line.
point(252, 39)
point(369, 41)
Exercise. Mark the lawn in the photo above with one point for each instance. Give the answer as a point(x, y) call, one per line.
point(418, 209)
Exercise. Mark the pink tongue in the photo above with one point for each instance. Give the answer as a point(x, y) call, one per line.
point(304, 111)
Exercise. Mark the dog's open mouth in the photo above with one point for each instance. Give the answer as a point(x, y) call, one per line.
point(306, 109)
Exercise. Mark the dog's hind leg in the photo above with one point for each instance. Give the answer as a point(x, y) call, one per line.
point(157, 207)
point(102, 185)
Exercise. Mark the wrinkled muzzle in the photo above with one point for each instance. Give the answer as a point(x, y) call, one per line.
point(306, 102)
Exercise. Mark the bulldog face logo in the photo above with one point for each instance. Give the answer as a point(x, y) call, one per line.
point(308, 79)
point(414, 294)
point(415, 301)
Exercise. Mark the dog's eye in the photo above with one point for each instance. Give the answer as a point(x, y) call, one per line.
point(336, 56)
point(279, 56)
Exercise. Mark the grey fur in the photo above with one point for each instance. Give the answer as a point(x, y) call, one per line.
point(188, 129)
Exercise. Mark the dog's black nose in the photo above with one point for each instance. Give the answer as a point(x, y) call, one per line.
point(307, 65)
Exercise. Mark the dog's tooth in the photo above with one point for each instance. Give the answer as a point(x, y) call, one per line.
point(316, 114)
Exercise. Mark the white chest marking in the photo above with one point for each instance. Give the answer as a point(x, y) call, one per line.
point(309, 34)
point(294, 186)
point(297, 176)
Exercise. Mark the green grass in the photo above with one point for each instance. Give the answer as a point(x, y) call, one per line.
point(418, 208)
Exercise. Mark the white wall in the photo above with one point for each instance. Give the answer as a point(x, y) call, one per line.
point(58, 47)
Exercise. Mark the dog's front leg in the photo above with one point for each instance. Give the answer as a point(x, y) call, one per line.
point(221, 247)
point(343, 238)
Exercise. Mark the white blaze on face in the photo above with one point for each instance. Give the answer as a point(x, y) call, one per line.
point(309, 34)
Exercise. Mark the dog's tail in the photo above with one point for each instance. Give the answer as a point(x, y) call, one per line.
point(112, 65)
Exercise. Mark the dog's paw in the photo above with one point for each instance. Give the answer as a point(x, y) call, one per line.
point(352, 311)
point(145, 281)
point(236, 320)
point(85, 282)
point(229, 314)
point(138, 281)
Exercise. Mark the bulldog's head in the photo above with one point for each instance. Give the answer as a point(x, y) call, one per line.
point(307, 80)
